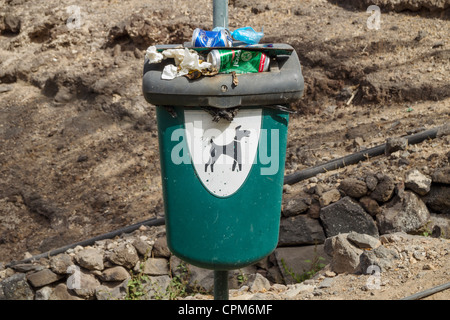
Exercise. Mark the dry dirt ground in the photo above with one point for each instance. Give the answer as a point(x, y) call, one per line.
point(78, 142)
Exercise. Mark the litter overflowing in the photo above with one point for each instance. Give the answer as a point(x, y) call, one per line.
point(213, 52)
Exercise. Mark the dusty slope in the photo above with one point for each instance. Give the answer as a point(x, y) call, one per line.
point(78, 142)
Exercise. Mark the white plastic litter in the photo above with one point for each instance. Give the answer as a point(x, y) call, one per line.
point(185, 62)
point(153, 56)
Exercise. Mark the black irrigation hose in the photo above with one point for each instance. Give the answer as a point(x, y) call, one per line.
point(290, 179)
point(354, 158)
point(110, 235)
point(428, 292)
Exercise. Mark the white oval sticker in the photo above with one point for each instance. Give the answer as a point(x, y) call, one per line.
point(223, 152)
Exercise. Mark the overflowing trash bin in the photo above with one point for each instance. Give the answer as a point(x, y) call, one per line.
point(223, 114)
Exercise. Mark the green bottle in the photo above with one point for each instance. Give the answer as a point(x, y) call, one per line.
point(239, 61)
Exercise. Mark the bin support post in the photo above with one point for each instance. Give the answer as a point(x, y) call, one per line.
point(220, 13)
point(220, 285)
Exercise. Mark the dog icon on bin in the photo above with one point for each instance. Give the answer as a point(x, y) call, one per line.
point(233, 150)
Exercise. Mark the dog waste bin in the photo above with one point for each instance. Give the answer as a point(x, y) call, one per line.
point(222, 177)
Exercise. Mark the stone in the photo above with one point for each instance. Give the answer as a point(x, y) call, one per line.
point(142, 247)
point(407, 213)
point(370, 205)
point(61, 292)
point(12, 23)
point(196, 278)
point(293, 262)
point(112, 292)
point(60, 263)
point(371, 182)
point(87, 286)
point(345, 216)
point(113, 274)
point(326, 283)
point(300, 230)
point(329, 197)
point(155, 267)
point(441, 175)
point(16, 287)
point(294, 204)
point(42, 278)
point(417, 182)
point(344, 256)
point(258, 283)
point(382, 257)
point(384, 189)
point(353, 187)
point(160, 248)
point(124, 255)
point(395, 144)
point(43, 293)
point(90, 258)
point(156, 288)
point(438, 199)
point(363, 241)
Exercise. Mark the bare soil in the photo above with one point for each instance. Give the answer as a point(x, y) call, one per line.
point(79, 153)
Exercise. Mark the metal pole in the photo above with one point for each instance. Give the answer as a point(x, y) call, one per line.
point(220, 285)
point(220, 13)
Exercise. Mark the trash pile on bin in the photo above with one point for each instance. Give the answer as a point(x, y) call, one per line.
point(224, 57)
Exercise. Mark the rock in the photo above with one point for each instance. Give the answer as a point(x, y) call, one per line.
point(326, 283)
point(16, 287)
point(60, 292)
point(407, 213)
point(113, 274)
point(395, 144)
point(5, 88)
point(345, 216)
point(300, 230)
point(443, 130)
point(344, 256)
point(293, 262)
point(155, 267)
point(417, 182)
point(441, 175)
point(142, 247)
point(88, 285)
point(438, 199)
point(257, 283)
point(125, 255)
point(12, 24)
point(441, 225)
point(27, 267)
point(381, 257)
point(60, 263)
point(371, 182)
point(160, 248)
point(90, 258)
point(196, 278)
point(294, 204)
point(329, 197)
point(296, 289)
point(42, 278)
point(156, 288)
point(43, 294)
point(112, 292)
point(370, 205)
point(353, 187)
point(384, 189)
point(363, 241)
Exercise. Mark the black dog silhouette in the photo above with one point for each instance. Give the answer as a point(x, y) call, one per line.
point(233, 150)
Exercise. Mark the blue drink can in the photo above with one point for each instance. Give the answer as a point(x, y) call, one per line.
point(211, 39)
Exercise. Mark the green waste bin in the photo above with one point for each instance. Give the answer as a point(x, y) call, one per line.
point(223, 178)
